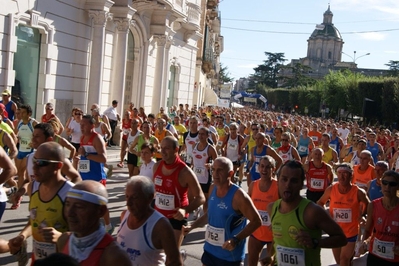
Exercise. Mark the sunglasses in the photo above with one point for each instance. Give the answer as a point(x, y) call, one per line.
point(43, 162)
point(78, 114)
point(284, 139)
point(389, 183)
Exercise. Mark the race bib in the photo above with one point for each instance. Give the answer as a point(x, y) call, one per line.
point(232, 146)
point(334, 146)
point(84, 166)
point(214, 236)
point(220, 143)
point(303, 149)
point(43, 249)
point(317, 183)
point(164, 201)
point(314, 138)
point(342, 215)
point(290, 256)
point(24, 145)
point(383, 249)
point(265, 218)
point(361, 185)
point(126, 131)
point(199, 170)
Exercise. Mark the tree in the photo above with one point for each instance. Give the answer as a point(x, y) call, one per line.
point(224, 75)
point(296, 76)
point(393, 68)
point(267, 72)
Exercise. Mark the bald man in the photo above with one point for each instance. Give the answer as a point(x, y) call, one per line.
point(87, 241)
point(47, 197)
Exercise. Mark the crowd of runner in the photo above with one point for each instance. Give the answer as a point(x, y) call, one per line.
point(192, 160)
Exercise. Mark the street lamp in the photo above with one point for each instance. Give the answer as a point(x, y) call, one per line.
point(354, 58)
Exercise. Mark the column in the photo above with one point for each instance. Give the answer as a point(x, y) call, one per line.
point(99, 19)
point(119, 62)
point(158, 93)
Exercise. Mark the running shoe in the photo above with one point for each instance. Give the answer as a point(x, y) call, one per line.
point(16, 205)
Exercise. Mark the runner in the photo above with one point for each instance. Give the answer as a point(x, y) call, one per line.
point(49, 114)
point(346, 209)
point(262, 192)
point(286, 151)
point(229, 207)
point(374, 186)
point(363, 172)
point(87, 241)
point(145, 234)
point(305, 144)
point(231, 147)
point(297, 223)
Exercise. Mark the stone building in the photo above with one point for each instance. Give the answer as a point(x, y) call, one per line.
point(78, 52)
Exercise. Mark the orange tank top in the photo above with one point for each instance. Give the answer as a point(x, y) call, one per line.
point(345, 210)
point(361, 178)
point(160, 137)
point(261, 200)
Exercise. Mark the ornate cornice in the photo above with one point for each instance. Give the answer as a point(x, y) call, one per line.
point(99, 17)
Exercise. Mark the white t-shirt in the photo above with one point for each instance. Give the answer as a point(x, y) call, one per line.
point(343, 133)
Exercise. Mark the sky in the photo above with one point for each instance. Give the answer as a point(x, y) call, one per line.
point(252, 27)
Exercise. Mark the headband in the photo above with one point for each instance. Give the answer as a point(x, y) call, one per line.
point(345, 168)
point(87, 196)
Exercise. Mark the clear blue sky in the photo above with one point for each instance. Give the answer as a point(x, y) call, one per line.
point(366, 26)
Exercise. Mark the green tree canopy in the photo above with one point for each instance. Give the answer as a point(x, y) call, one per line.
point(224, 75)
point(267, 72)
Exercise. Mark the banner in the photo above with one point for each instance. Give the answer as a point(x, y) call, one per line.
point(250, 100)
point(225, 90)
point(223, 103)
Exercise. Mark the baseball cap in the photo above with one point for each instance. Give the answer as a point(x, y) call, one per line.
point(6, 92)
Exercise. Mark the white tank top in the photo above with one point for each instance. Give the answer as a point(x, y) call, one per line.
point(286, 156)
point(355, 159)
point(138, 242)
point(99, 130)
point(130, 138)
point(232, 149)
point(200, 158)
point(25, 132)
point(190, 141)
point(29, 165)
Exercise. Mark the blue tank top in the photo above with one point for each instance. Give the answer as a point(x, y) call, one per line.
point(375, 190)
point(303, 146)
point(255, 175)
point(9, 110)
point(223, 224)
point(374, 151)
point(335, 144)
point(270, 132)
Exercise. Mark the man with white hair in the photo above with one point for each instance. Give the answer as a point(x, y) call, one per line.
point(145, 234)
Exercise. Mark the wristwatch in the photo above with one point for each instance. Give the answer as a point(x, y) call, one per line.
point(236, 241)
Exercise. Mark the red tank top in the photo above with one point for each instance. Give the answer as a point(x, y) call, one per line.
point(95, 255)
point(317, 178)
point(261, 200)
point(90, 141)
point(125, 127)
point(169, 194)
point(386, 231)
point(45, 120)
point(345, 210)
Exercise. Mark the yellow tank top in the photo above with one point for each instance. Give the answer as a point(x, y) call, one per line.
point(328, 155)
point(251, 143)
point(1, 138)
point(47, 214)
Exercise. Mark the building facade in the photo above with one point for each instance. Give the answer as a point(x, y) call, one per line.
point(80, 52)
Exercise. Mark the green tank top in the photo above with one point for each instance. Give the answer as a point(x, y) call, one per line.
point(285, 228)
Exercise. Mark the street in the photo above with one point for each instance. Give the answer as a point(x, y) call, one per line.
point(14, 220)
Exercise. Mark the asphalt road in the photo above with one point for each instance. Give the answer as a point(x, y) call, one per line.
point(14, 220)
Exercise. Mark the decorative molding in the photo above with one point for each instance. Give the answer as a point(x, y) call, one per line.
point(123, 24)
point(99, 17)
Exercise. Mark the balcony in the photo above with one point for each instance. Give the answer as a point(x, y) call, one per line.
point(212, 4)
point(193, 15)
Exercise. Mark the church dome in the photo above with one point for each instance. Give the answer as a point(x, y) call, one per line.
point(328, 30)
